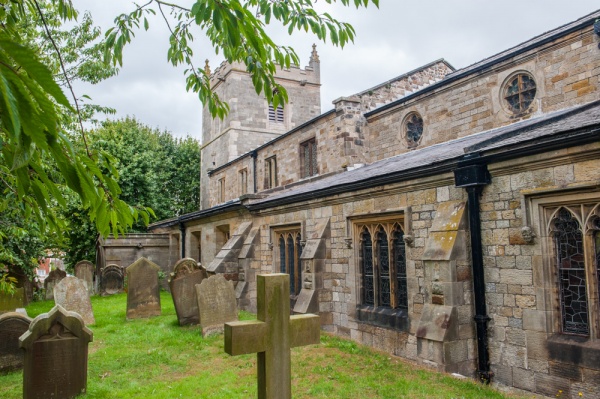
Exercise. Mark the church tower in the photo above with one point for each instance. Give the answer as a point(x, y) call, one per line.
point(252, 121)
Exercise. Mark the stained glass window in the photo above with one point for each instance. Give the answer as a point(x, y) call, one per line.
point(413, 128)
point(568, 238)
point(367, 268)
point(400, 269)
point(282, 265)
point(520, 93)
point(383, 262)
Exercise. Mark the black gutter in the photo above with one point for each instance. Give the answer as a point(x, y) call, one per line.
point(464, 72)
point(473, 178)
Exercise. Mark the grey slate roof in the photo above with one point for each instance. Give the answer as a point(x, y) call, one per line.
point(446, 155)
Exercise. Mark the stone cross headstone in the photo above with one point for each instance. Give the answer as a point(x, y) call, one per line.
point(56, 355)
point(12, 326)
point(72, 294)
point(216, 304)
point(111, 279)
point(272, 335)
point(186, 274)
point(11, 302)
point(51, 280)
point(143, 293)
point(85, 270)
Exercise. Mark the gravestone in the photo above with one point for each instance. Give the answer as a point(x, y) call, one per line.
point(51, 280)
point(11, 302)
point(186, 274)
point(216, 304)
point(111, 280)
point(72, 294)
point(272, 335)
point(56, 355)
point(84, 270)
point(143, 294)
point(12, 326)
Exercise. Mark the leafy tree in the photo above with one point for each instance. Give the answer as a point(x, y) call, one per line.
point(155, 170)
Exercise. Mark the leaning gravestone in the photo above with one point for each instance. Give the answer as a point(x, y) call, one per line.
point(11, 302)
point(186, 274)
point(51, 280)
point(71, 293)
point(12, 326)
point(84, 270)
point(111, 280)
point(56, 355)
point(143, 294)
point(272, 335)
point(216, 304)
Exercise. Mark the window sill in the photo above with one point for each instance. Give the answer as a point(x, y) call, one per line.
point(575, 350)
point(383, 317)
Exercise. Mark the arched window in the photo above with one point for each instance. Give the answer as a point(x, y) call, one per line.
point(399, 251)
point(289, 257)
point(367, 268)
point(383, 265)
point(570, 259)
point(413, 129)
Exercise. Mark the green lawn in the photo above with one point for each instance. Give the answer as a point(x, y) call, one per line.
point(157, 358)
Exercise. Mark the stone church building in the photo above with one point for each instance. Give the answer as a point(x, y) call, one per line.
point(450, 217)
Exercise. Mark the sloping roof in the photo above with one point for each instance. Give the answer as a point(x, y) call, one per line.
point(530, 44)
point(445, 156)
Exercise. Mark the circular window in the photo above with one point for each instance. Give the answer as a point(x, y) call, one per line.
point(413, 129)
point(519, 93)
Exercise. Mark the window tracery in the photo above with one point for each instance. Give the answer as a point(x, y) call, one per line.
point(519, 93)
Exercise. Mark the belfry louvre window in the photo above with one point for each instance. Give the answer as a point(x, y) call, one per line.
point(382, 264)
point(276, 114)
point(270, 172)
point(289, 248)
point(576, 236)
point(308, 158)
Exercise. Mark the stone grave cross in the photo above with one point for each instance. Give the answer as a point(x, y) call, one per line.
point(272, 335)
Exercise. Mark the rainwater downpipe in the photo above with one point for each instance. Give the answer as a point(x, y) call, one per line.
point(473, 177)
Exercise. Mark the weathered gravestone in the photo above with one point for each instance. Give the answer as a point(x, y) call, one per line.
point(143, 294)
point(56, 355)
point(111, 279)
point(71, 293)
point(272, 335)
point(11, 302)
point(84, 270)
point(186, 274)
point(216, 304)
point(12, 326)
point(51, 280)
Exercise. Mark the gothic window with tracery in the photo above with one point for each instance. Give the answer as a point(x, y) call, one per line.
point(519, 93)
point(289, 249)
point(568, 239)
point(383, 265)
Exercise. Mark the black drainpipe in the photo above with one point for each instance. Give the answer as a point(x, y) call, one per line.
point(473, 178)
point(182, 230)
point(254, 154)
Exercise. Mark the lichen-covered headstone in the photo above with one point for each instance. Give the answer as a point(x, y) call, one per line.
point(12, 326)
point(216, 304)
point(71, 293)
point(51, 280)
point(84, 270)
point(143, 294)
point(56, 355)
point(11, 302)
point(111, 279)
point(186, 274)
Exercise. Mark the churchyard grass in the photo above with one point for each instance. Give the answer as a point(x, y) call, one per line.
point(157, 358)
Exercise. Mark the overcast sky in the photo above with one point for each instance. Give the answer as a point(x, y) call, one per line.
point(399, 36)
